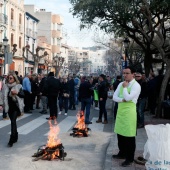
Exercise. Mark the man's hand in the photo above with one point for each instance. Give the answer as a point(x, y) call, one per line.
point(125, 84)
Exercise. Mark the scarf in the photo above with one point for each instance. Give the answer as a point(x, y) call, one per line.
point(10, 86)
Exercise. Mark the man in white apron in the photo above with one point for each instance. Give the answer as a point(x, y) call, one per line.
point(126, 95)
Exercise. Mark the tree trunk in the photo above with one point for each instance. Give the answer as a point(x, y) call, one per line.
point(35, 68)
point(162, 90)
point(147, 63)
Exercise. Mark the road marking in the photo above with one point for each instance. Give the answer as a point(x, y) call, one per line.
point(66, 124)
point(96, 126)
point(4, 123)
point(32, 125)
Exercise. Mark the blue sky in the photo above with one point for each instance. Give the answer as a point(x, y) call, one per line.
point(75, 37)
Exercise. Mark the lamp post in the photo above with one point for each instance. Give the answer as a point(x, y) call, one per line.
point(126, 45)
point(5, 43)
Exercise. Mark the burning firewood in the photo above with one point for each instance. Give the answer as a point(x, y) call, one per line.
point(54, 148)
point(80, 129)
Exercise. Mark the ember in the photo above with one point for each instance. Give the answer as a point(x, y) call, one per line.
point(54, 148)
point(80, 129)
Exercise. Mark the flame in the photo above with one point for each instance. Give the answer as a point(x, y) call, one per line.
point(80, 121)
point(81, 126)
point(53, 134)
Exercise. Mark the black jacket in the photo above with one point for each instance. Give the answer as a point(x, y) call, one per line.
point(64, 88)
point(102, 90)
point(52, 86)
point(85, 90)
point(42, 86)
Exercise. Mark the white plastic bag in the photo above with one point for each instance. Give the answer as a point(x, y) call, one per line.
point(157, 147)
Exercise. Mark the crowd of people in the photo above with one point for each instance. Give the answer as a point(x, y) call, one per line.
point(133, 95)
point(21, 95)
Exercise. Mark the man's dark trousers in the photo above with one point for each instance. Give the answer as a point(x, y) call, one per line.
point(52, 103)
point(127, 146)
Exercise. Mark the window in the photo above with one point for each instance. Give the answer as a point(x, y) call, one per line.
point(20, 19)
point(12, 13)
point(20, 42)
point(12, 39)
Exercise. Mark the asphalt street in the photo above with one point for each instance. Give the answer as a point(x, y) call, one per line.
point(83, 153)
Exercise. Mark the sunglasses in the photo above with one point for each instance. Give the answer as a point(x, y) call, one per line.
point(138, 76)
point(11, 78)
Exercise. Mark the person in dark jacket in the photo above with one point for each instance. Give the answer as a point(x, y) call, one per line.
point(115, 85)
point(52, 88)
point(43, 94)
point(85, 93)
point(141, 100)
point(64, 95)
point(102, 92)
point(71, 90)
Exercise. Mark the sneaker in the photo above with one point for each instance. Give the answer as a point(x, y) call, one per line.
point(98, 121)
point(44, 112)
point(6, 118)
point(96, 108)
point(118, 156)
point(126, 163)
point(65, 114)
point(59, 113)
point(105, 122)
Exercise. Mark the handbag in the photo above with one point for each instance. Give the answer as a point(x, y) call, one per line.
point(110, 94)
point(21, 93)
point(66, 95)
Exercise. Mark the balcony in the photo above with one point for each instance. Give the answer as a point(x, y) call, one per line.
point(13, 24)
point(3, 20)
point(21, 29)
point(57, 19)
point(56, 34)
point(28, 32)
point(1, 2)
point(34, 35)
point(55, 49)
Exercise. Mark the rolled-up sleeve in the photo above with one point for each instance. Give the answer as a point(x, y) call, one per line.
point(134, 93)
point(116, 97)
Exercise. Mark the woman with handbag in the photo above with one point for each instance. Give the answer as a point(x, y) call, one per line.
point(13, 104)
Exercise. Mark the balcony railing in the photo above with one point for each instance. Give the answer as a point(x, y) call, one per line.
point(1, 2)
point(13, 24)
point(21, 28)
point(28, 32)
point(3, 19)
point(34, 35)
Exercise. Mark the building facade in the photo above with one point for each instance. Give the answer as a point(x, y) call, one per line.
point(12, 12)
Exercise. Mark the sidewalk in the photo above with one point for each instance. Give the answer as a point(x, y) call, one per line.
point(141, 139)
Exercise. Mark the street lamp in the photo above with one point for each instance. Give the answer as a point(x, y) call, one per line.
point(126, 43)
point(5, 43)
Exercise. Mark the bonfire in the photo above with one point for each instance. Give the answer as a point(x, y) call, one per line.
point(54, 148)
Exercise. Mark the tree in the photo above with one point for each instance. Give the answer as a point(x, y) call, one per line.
point(36, 57)
point(144, 21)
point(124, 17)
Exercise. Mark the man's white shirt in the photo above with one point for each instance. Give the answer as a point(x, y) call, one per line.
point(134, 93)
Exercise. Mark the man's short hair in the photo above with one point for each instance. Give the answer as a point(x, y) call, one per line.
point(131, 69)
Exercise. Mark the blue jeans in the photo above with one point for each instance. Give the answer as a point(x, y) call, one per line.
point(140, 110)
point(76, 95)
point(86, 104)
